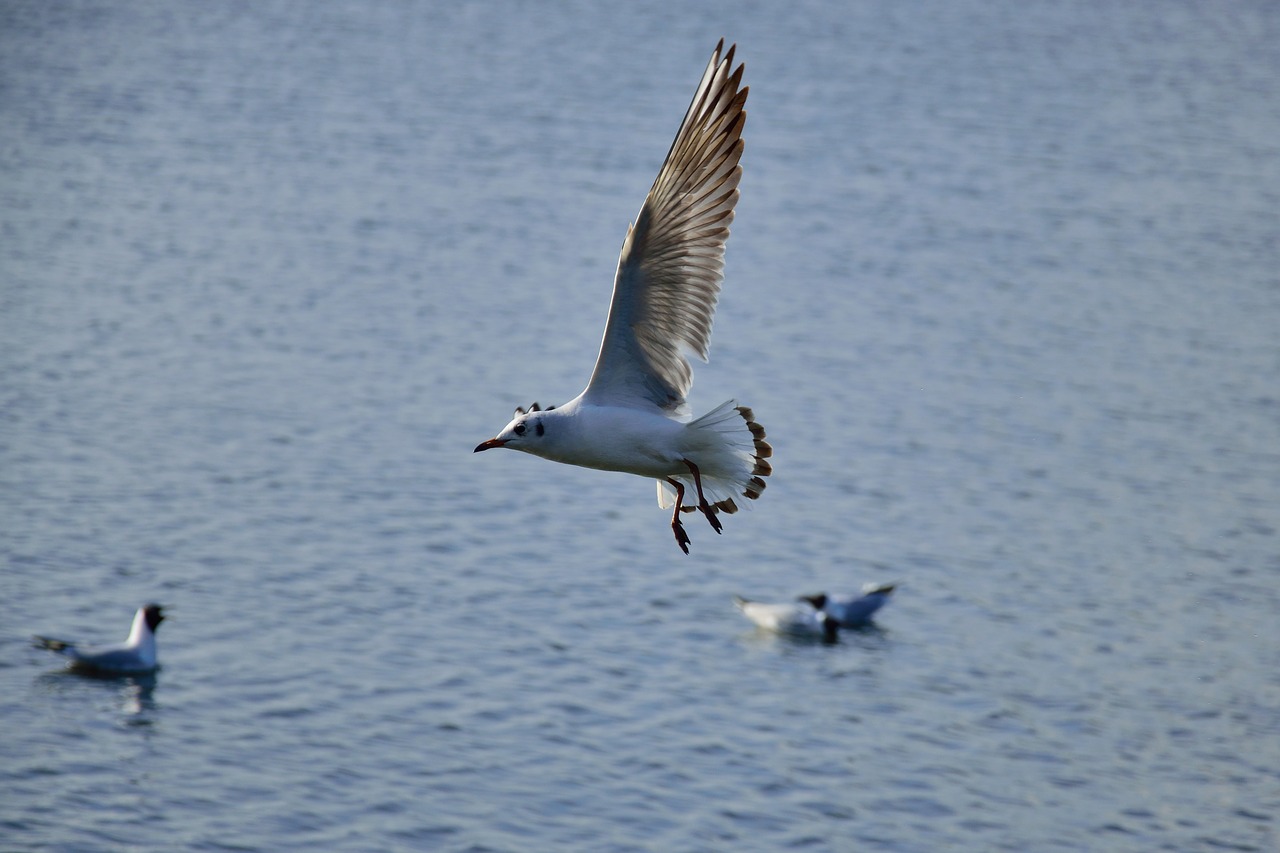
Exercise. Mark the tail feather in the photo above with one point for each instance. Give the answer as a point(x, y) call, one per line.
point(50, 643)
point(733, 461)
point(762, 450)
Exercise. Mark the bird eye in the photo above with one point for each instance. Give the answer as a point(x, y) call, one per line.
point(519, 429)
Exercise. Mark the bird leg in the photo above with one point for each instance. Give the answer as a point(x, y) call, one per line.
point(707, 510)
point(682, 538)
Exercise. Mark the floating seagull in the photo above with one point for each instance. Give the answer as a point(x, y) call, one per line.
point(797, 620)
point(852, 610)
point(633, 417)
point(136, 655)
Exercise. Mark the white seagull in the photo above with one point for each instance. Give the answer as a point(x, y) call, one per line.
point(633, 417)
point(852, 610)
point(135, 656)
point(797, 620)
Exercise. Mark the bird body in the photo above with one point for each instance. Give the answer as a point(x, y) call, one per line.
point(609, 438)
point(633, 416)
point(136, 655)
point(646, 443)
point(794, 619)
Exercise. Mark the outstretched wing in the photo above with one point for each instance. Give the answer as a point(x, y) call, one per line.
point(672, 262)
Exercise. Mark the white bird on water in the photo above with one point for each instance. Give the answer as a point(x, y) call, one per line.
point(633, 416)
point(135, 656)
point(796, 620)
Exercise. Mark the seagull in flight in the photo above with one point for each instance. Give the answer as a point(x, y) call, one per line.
point(632, 416)
point(135, 656)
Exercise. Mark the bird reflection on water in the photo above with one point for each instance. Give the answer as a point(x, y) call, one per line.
point(132, 695)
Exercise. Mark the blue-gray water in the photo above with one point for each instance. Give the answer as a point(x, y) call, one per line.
point(1004, 287)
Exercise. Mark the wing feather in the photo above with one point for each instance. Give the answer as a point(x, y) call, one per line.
point(672, 261)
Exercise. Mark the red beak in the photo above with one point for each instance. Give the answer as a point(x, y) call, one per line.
point(489, 445)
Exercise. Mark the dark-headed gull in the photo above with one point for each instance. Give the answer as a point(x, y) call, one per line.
point(798, 619)
point(136, 655)
point(852, 610)
point(633, 417)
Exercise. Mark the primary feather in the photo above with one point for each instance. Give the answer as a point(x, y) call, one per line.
point(672, 261)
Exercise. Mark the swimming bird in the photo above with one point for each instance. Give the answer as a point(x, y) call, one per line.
point(136, 655)
point(794, 619)
point(852, 611)
point(633, 417)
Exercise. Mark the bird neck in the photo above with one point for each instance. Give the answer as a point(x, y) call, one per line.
point(140, 633)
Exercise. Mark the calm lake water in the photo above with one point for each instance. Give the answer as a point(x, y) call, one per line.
point(1004, 287)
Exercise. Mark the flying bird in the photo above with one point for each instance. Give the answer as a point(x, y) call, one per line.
point(632, 416)
point(135, 656)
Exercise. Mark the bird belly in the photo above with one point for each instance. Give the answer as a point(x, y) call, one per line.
point(626, 440)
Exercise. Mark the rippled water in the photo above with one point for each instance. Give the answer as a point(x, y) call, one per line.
point(1003, 287)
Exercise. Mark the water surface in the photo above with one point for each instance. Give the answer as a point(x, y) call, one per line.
point(1003, 288)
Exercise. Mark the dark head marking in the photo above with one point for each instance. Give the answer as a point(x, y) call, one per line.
point(154, 614)
point(539, 429)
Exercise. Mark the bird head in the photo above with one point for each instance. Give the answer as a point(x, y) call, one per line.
point(154, 614)
point(818, 602)
point(523, 433)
